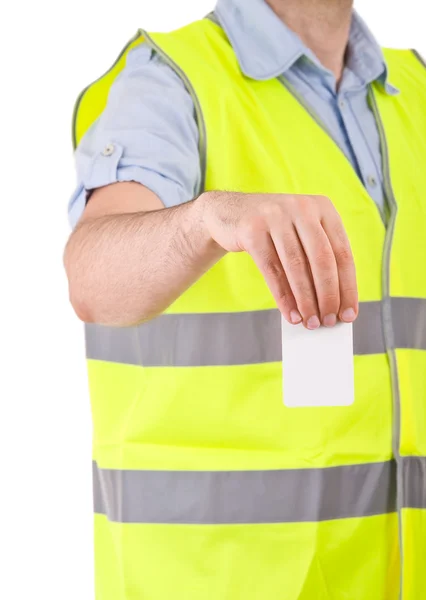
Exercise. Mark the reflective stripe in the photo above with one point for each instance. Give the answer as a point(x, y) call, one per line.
point(202, 339)
point(196, 339)
point(409, 322)
point(214, 497)
point(287, 496)
point(414, 477)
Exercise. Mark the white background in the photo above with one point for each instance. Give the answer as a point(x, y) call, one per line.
point(49, 52)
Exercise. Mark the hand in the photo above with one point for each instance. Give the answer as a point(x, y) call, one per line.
point(300, 246)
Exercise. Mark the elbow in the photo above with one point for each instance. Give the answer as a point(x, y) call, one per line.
point(81, 306)
point(100, 302)
point(91, 312)
point(84, 312)
point(112, 314)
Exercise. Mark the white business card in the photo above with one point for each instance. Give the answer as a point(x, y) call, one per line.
point(317, 365)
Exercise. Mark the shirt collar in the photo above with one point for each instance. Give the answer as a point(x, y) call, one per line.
point(266, 48)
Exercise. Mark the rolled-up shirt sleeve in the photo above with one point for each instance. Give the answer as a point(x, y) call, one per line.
point(147, 133)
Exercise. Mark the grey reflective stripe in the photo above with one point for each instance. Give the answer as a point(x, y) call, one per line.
point(191, 340)
point(202, 339)
point(367, 329)
point(414, 477)
point(100, 491)
point(286, 496)
point(225, 497)
point(409, 323)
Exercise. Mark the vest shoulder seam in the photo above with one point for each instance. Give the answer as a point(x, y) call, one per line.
point(419, 57)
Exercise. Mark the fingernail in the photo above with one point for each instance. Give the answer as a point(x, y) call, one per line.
point(313, 323)
point(295, 317)
point(329, 320)
point(348, 315)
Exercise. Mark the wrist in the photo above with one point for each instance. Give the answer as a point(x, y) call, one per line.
point(200, 215)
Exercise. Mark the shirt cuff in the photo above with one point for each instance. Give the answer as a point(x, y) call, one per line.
point(169, 192)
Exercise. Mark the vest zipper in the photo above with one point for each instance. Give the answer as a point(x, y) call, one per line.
point(202, 142)
point(324, 127)
point(387, 321)
point(389, 224)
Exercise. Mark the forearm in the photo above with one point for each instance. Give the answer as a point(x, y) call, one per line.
point(125, 269)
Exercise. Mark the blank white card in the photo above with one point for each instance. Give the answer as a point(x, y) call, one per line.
point(317, 365)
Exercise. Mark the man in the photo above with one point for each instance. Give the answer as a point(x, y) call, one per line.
point(248, 162)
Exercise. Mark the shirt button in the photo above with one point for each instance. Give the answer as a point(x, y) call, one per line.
point(372, 181)
point(108, 150)
point(342, 104)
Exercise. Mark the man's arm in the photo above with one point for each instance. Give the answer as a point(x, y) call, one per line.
point(129, 258)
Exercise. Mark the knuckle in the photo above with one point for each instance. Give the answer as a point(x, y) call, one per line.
point(292, 250)
point(348, 289)
point(322, 201)
point(296, 261)
point(295, 256)
point(343, 255)
point(273, 209)
point(305, 294)
point(330, 283)
point(324, 259)
point(305, 204)
point(286, 299)
point(250, 229)
point(349, 292)
point(271, 267)
point(286, 201)
point(340, 231)
point(329, 299)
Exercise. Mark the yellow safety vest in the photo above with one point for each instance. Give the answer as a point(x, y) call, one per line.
point(206, 486)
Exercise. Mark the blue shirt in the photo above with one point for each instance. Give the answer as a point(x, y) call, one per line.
point(149, 121)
